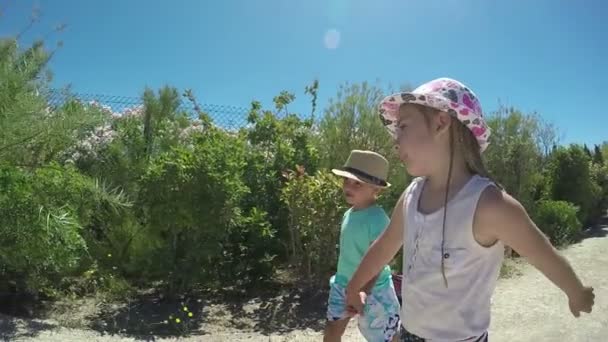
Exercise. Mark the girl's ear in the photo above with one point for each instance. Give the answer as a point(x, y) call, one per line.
point(443, 121)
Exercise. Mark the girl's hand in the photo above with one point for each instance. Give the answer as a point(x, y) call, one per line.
point(582, 301)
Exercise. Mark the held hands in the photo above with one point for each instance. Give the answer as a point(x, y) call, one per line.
point(355, 300)
point(581, 301)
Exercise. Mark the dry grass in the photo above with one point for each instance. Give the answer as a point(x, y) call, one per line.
point(72, 312)
point(511, 267)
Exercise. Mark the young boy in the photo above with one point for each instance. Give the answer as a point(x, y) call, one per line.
point(364, 175)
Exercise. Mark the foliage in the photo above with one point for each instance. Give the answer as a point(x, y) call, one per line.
point(518, 152)
point(191, 199)
point(275, 145)
point(316, 207)
point(604, 151)
point(41, 219)
point(248, 257)
point(599, 177)
point(34, 133)
point(570, 180)
point(598, 158)
point(558, 220)
point(351, 122)
point(119, 150)
point(40, 240)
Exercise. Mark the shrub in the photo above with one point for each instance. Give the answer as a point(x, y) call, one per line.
point(275, 144)
point(190, 198)
point(40, 237)
point(599, 175)
point(571, 181)
point(247, 257)
point(558, 220)
point(316, 208)
point(515, 156)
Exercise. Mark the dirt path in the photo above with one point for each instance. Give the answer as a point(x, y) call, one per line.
point(530, 308)
point(525, 308)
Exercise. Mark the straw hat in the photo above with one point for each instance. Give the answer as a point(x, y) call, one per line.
point(366, 167)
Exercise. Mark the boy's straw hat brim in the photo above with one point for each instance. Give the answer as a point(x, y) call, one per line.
point(365, 166)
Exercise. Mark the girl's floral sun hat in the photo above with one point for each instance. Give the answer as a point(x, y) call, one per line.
point(443, 94)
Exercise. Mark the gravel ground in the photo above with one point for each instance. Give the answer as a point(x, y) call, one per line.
point(530, 308)
point(526, 307)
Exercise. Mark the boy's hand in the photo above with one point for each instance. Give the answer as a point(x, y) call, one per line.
point(582, 301)
point(355, 302)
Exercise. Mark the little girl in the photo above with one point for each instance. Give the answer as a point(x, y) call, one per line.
point(364, 175)
point(453, 221)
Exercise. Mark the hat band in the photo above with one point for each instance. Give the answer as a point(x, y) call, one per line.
point(372, 179)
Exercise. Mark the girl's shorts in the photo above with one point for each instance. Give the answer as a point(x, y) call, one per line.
point(380, 319)
point(406, 336)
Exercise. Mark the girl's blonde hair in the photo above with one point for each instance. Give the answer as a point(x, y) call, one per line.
point(464, 142)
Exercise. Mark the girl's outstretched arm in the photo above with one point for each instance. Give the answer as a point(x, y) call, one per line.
point(380, 253)
point(502, 217)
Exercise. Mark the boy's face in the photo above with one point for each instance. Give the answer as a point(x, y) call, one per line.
point(359, 194)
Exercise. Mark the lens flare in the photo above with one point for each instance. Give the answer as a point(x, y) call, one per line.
point(332, 39)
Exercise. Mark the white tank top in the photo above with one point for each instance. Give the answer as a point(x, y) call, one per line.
point(462, 310)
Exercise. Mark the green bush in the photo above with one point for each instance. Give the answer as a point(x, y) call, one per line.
point(119, 150)
point(191, 200)
point(34, 133)
point(316, 208)
point(248, 257)
point(42, 216)
point(599, 176)
point(517, 153)
point(274, 145)
point(40, 237)
point(558, 220)
point(570, 178)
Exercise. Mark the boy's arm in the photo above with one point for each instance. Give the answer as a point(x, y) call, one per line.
point(502, 217)
point(380, 252)
point(367, 288)
point(377, 227)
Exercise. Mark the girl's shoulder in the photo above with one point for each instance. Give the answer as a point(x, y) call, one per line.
point(496, 208)
point(416, 181)
point(494, 200)
point(414, 184)
point(501, 217)
point(411, 189)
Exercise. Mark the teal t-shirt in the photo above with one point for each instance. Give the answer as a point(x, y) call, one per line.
point(359, 229)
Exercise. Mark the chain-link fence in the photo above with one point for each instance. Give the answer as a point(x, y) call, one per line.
point(229, 117)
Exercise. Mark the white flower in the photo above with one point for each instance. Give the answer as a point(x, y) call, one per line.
point(136, 111)
point(98, 138)
point(188, 131)
point(107, 109)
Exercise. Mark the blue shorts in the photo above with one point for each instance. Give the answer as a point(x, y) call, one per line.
point(380, 319)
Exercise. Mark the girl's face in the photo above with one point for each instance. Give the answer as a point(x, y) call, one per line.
point(418, 142)
point(358, 194)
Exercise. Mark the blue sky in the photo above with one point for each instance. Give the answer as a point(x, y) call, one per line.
point(549, 56)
